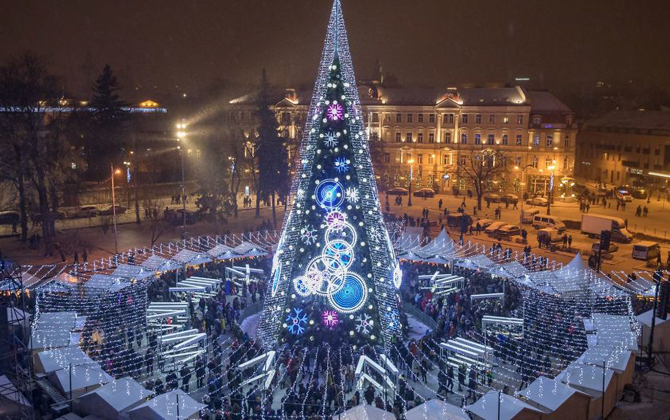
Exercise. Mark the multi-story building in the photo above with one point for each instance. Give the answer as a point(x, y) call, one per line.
point(625, 147)
point(432, 131)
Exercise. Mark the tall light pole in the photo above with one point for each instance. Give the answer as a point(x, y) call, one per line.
point(411, 167)
point(116, 243)
point(180, 135)
point(551, 189)
point(523, 178)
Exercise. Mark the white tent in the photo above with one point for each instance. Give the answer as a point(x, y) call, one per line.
point(488, 405)
point(661, 331)
point(165, 407)
point(586, 378)
point(85, 378)
point(547, 393)
point(156, 263)
point(102, 283)
point(61, 358)
point(113, 398)
point(132, 272)
point(221, 251)
point(436, 410)
point(366, 412)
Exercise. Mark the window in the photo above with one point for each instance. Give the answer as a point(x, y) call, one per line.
point(420, 138)
point(446, 159)
point(448, 118)
point(408, 137)
point(519, 119)
point(431, 159)
point(536, 140)
point(409, 117)
point(517, 160)
point(505, 119)
point(478, 138)
point(566, 162)
point(464, 118)
point(374, 136)
point(566, 140)
point(537, 120)
point(491, 139)
point(462, 161)
point(478, 118)
point(447, 137)
point(398, 118)
point(398, 138)
point(431, 118)
point(431, 137)
point(464, 138)
point(420, 118)
point(519, 139)
point(505, 140)
point(492, 118)
point(419, 159)
point(547, 162)
point(550, 140)
point(534, 162)
point(387, 157)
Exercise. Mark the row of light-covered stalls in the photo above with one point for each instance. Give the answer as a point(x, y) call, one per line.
point(602, 350)
point(89, 314)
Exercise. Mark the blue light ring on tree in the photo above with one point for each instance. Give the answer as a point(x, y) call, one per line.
point(329, 194)
point(351, 297)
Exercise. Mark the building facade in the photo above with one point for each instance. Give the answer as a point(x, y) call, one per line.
point(626, 147)
point(429, 132)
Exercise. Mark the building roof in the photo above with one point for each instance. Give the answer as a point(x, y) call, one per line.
point(502, 96)
point(546, 102)
point(640, 122)
point(406, 96)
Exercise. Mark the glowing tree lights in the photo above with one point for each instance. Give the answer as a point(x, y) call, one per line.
point(334, 256)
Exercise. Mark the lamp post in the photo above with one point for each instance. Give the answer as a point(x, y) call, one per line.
point(116, 243)
point(180, 135)
point(411, 167)
point(523, 179)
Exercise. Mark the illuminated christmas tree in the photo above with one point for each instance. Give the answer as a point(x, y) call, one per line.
point(334, 276)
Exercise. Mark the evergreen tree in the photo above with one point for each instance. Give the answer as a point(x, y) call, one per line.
point(104, 144)
point(270, 150)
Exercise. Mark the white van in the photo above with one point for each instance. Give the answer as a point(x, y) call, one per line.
point(542, 221)
point(646, 250)
point(528, 215)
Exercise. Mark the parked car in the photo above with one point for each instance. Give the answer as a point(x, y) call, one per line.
point(483, 223)
point(553, 234)
point(493, 227)
point(542, 221)
point(510, 198)
point(492, 197)
point(624, 196)
point(596, 246)
point(108, 211)
point(397, 191)
point(537, 201)
point(84, 212)
point(506, 232)
point(459, 220)
point(528, 215)
point(639, 193)
point(425, 192)
point(646, 250)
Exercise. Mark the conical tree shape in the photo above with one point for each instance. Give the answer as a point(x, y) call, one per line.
point(334, 274)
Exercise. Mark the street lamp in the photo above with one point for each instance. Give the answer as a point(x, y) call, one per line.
point(551, 188)
point(116, 243)
point(181, 134)
point(523, 178)
point(411, 167)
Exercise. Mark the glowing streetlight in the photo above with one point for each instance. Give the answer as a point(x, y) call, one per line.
point(411, 167)
point(181, 134)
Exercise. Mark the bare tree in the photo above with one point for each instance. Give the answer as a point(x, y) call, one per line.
point(480, 167)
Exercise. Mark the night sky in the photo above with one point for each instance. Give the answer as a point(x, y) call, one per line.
point(559, 44)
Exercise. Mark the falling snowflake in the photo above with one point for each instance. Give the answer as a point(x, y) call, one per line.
point(352, 195)
point(296, 321)
point(331, 139)
point(364, 324)
point(342, 164)
point(308, 235)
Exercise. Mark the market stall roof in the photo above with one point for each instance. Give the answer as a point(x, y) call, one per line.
point(513, 270)
point(53, 330)
point(615, 357)
point(410, 240)
point(441, 245)
point(102, 283)
point(83, 376)
point(186, 256)
point(249, 249)
point(548, 393)
point(615, 330)
point(114, 397)
point(587, 378)
point(482, 261)
point(156, 263)
point(61, 358)
point(366, 412)
point(128, 271)
point(436, 410)
point(221, 251)
point(164, 407)
point(487, 406)
point(645, 319)
point(16, 316)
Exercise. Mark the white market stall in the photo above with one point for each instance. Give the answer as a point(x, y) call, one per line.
point(366, 412)
point(173, 405)
point(80, 379)
point(113, 399)
point(436, 410)
point(661, 332)
point(556, 400)
point(498, 406)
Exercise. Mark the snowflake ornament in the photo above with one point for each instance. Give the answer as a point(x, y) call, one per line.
point(296, 321)
point(342, 164)
point(308, 235)
point(335, 112)
point(364, 324)
point(352, 195)
point(330, 140)
point(330, 319)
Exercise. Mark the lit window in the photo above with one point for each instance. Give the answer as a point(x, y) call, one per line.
point(505, 119)
point(536, 140)
point(519, 119)
point(464, 118)
point(408, 137)
point(431, 137)
point(550, 140)
point(505, 139)
point(464, 138)
point(387, 157)
point(409, 118)
point(478, 118)
point(534, 162)
point(519, 139)
point(447, 137)
point(419, 138)
point(478, 139)
point(463, 161)
point(420, 118)
point(398, 137)
point(566, 140)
